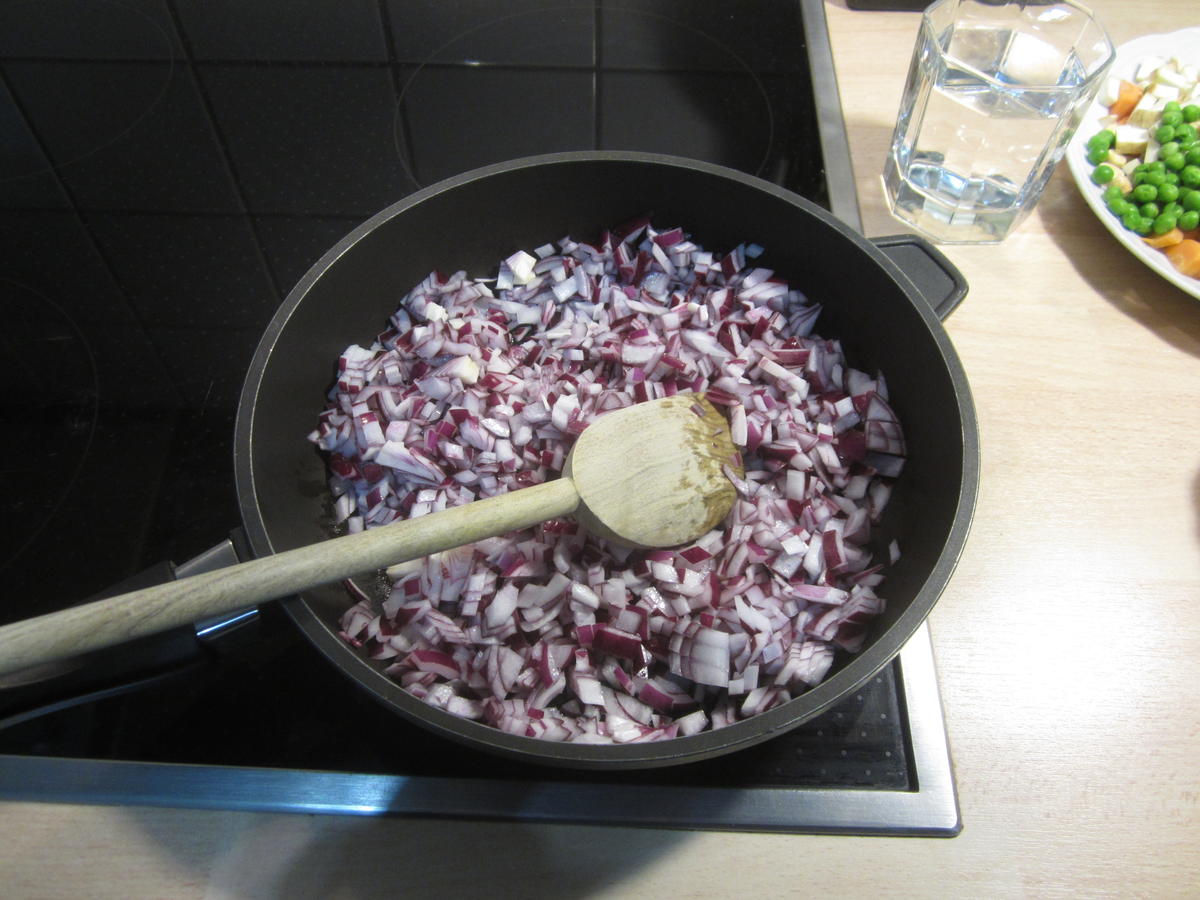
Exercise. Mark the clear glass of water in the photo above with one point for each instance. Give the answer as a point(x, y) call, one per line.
point(994, 92)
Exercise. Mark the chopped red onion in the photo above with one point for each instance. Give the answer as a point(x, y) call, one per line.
point(478, 387)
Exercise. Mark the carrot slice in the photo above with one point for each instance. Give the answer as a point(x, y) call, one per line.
point(1127, 98)
point(1168, 239)
point(1185, 256)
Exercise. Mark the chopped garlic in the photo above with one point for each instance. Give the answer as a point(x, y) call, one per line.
point(1147, 67)
point(1165, 92)
point(1131, 139)
point(1147, 111)
point(1111, 91)
point(1172, 77)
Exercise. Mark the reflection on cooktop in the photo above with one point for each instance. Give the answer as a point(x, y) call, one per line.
point(580, 78)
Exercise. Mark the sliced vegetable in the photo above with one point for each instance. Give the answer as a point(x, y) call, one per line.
point(1127, 99)
point(1174, 236)
point(1185, 256)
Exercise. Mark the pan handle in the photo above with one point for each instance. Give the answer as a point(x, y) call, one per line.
point(138, 664)
point(927, 269)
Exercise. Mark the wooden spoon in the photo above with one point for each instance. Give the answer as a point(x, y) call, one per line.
point(649, 475)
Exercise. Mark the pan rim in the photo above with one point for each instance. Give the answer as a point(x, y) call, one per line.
point(678, 750)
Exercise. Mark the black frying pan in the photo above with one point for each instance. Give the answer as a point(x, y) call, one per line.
point(472, 221)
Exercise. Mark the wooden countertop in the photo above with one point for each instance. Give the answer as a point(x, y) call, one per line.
point(1068, 640)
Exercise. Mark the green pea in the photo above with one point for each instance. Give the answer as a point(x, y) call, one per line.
point(1167, 193)
point(1171, 178)
point(1156, 178)
point(1170, 148)
point(1189, 220)
point(1144, 225)
point(1096, 155)
point(1120, 206)
point(1192, 201)
point(1172, 209)
point(1190, 175)
point(1132, 220)
point(1144, 193)
point(1104, 139)
point(1172, 106)
point(1192, 157)
point(1113, 192)
point(1185, 134)
point(1176, 161)
point(1164, 223)
point(1150, 210)
point(1191, 112)
point(1164, 133)
point(1172, 117)
point(1102, 174)
point(1157, 166)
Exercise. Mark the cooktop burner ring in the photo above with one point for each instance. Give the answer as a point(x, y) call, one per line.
point(26, 32)
point(442, 58)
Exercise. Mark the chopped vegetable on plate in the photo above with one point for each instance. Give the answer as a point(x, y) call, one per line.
point(1147, 156)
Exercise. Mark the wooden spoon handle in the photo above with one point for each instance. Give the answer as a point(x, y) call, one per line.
point(104, 623)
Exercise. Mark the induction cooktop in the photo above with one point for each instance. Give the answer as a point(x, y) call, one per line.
point(170, 169)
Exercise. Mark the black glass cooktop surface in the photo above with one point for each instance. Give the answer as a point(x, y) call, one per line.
point(169, 169)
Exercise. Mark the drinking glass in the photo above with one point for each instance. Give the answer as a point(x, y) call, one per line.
point(994, 92)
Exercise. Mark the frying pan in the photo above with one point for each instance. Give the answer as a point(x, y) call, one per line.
point(473, 220)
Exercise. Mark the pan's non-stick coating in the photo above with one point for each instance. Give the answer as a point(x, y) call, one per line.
point(471, 222)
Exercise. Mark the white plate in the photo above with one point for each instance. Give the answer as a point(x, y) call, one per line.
point(1184, 44)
